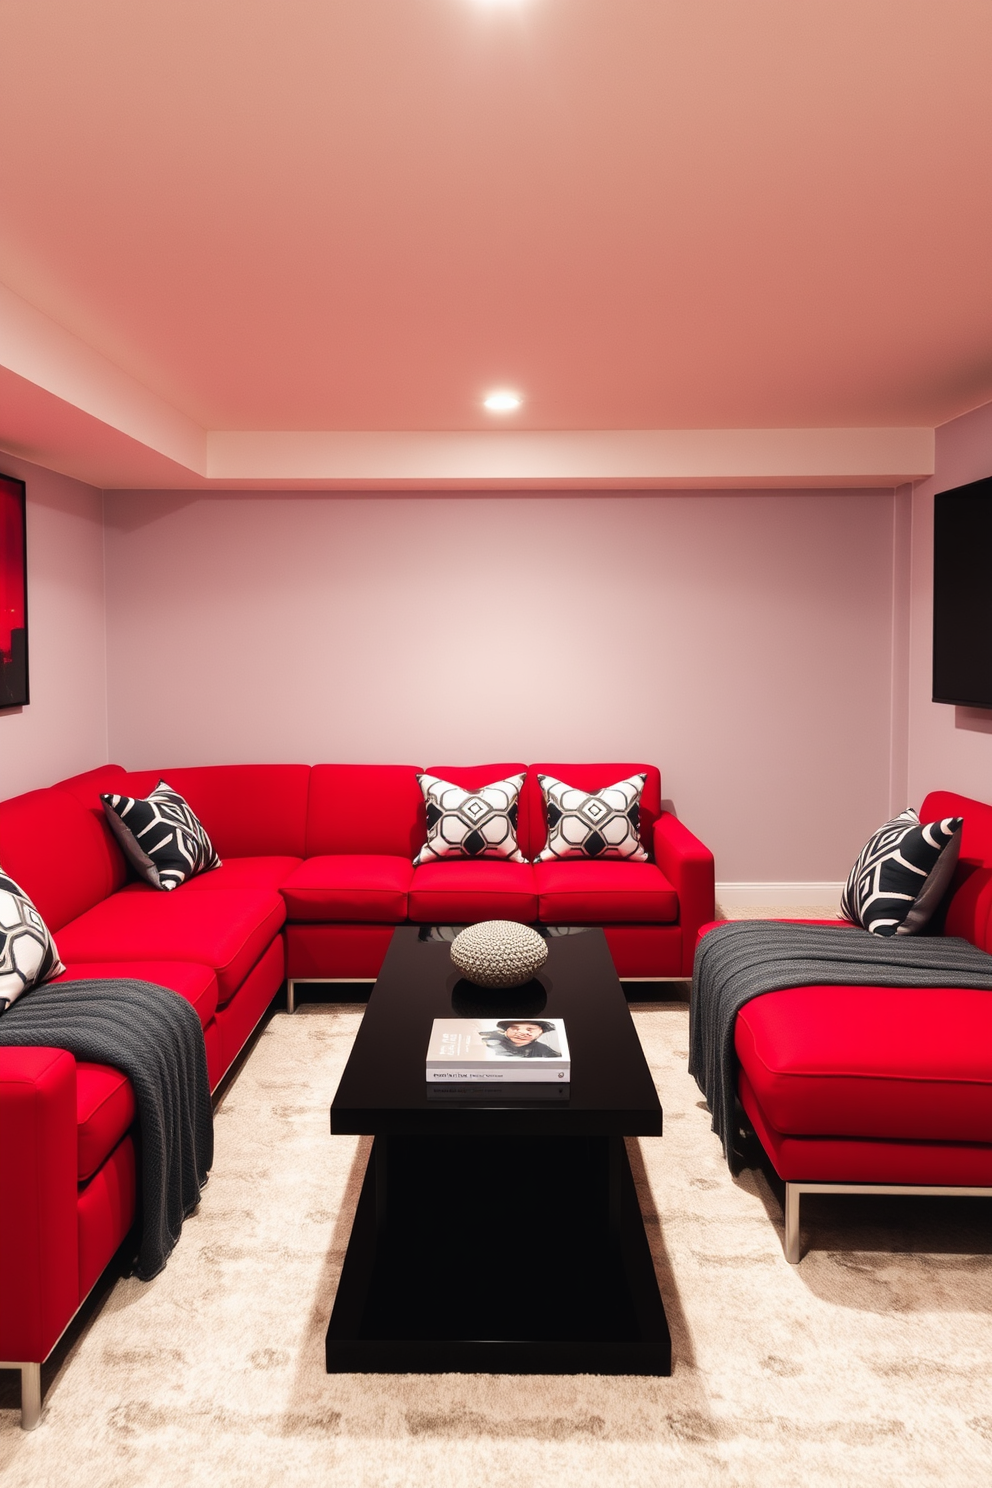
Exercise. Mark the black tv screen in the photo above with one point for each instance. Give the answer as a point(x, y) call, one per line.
point(962, 595)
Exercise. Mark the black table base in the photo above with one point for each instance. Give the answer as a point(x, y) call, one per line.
point(498, 1254)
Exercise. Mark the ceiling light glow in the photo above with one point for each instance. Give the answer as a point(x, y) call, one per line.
point(502, 401)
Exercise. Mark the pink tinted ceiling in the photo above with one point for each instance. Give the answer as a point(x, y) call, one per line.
point(363, 214)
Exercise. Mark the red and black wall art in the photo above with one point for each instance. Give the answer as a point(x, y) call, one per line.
point(13, 595)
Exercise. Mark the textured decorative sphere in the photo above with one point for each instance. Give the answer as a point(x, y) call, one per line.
point(499, 953)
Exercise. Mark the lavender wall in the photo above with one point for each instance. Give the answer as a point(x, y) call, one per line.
point(64, 727)
point(772, 652)
point(949, 747)
point(741, 640)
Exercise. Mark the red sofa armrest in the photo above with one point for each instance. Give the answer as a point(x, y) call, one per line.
point(688, 866)
point(39, 1236)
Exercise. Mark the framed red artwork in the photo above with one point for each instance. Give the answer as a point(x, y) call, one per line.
point(13, 595)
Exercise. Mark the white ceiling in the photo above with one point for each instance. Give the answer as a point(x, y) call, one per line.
point(361, 215)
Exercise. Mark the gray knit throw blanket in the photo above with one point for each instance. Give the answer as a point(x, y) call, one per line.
point(154, 1037)
point(744, 958)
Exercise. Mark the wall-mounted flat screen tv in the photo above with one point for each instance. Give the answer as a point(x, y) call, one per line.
point(962, 595)
point(13, 595)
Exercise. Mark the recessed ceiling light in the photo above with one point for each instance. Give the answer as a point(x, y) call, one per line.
point(502, 401)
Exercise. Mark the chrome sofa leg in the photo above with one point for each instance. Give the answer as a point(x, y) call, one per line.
point(290, 995)
point(793, 1191)
point(792, 1194)
point(30, 1396)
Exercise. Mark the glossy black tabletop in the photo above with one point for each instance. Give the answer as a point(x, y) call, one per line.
point(384, 1090)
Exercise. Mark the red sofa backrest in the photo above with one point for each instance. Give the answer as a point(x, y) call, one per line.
point(60, 852)
point(56, 843)
point(590, 778)
point(969, 908)
point(365, 809)
point(249, 811)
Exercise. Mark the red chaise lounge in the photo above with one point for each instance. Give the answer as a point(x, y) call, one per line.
point(880, 1090)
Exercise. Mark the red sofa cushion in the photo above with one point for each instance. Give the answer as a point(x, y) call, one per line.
point(894, 1062)
point(589, 778)
point(249, 811)
point(105, 1108)
point(583, 892)
point(198, 984)
point(457, 892)
point(365, 809)
point(362, 887)
point(226, 931)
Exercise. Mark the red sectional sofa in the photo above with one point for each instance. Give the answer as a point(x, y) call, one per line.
point(365, 824)
point(876, 1089)
point(316, 872)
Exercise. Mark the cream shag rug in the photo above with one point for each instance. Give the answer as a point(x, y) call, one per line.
point(868, 1364)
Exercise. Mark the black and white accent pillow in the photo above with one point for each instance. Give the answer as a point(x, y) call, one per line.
point(27, 950)
point(160, 836)
point(600, 824)
point(470, 824)
point(902, 873)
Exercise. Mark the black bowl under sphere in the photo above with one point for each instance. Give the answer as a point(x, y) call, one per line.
point(470, 1001)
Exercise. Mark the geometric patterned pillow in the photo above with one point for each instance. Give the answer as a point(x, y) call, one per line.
point(901, 874)
point(593, 824)
point(470, 824)
point(160, 836)
point(27, 950)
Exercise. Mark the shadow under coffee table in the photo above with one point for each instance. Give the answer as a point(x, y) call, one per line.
point(498, 1233)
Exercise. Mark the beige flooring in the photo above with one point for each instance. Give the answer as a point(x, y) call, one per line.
point(779, 912)
point(867, 1364)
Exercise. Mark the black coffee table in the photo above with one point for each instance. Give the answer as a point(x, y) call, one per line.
point(498, 1233)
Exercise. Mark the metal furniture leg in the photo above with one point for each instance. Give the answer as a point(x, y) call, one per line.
point(30, 1391)
point(30, 1396)
point(910, 1190)
point(792, 1252)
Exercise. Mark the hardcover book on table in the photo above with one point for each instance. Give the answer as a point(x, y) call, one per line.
point(498, 1051)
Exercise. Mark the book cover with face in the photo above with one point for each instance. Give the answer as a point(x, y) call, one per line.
point(518, 1048)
